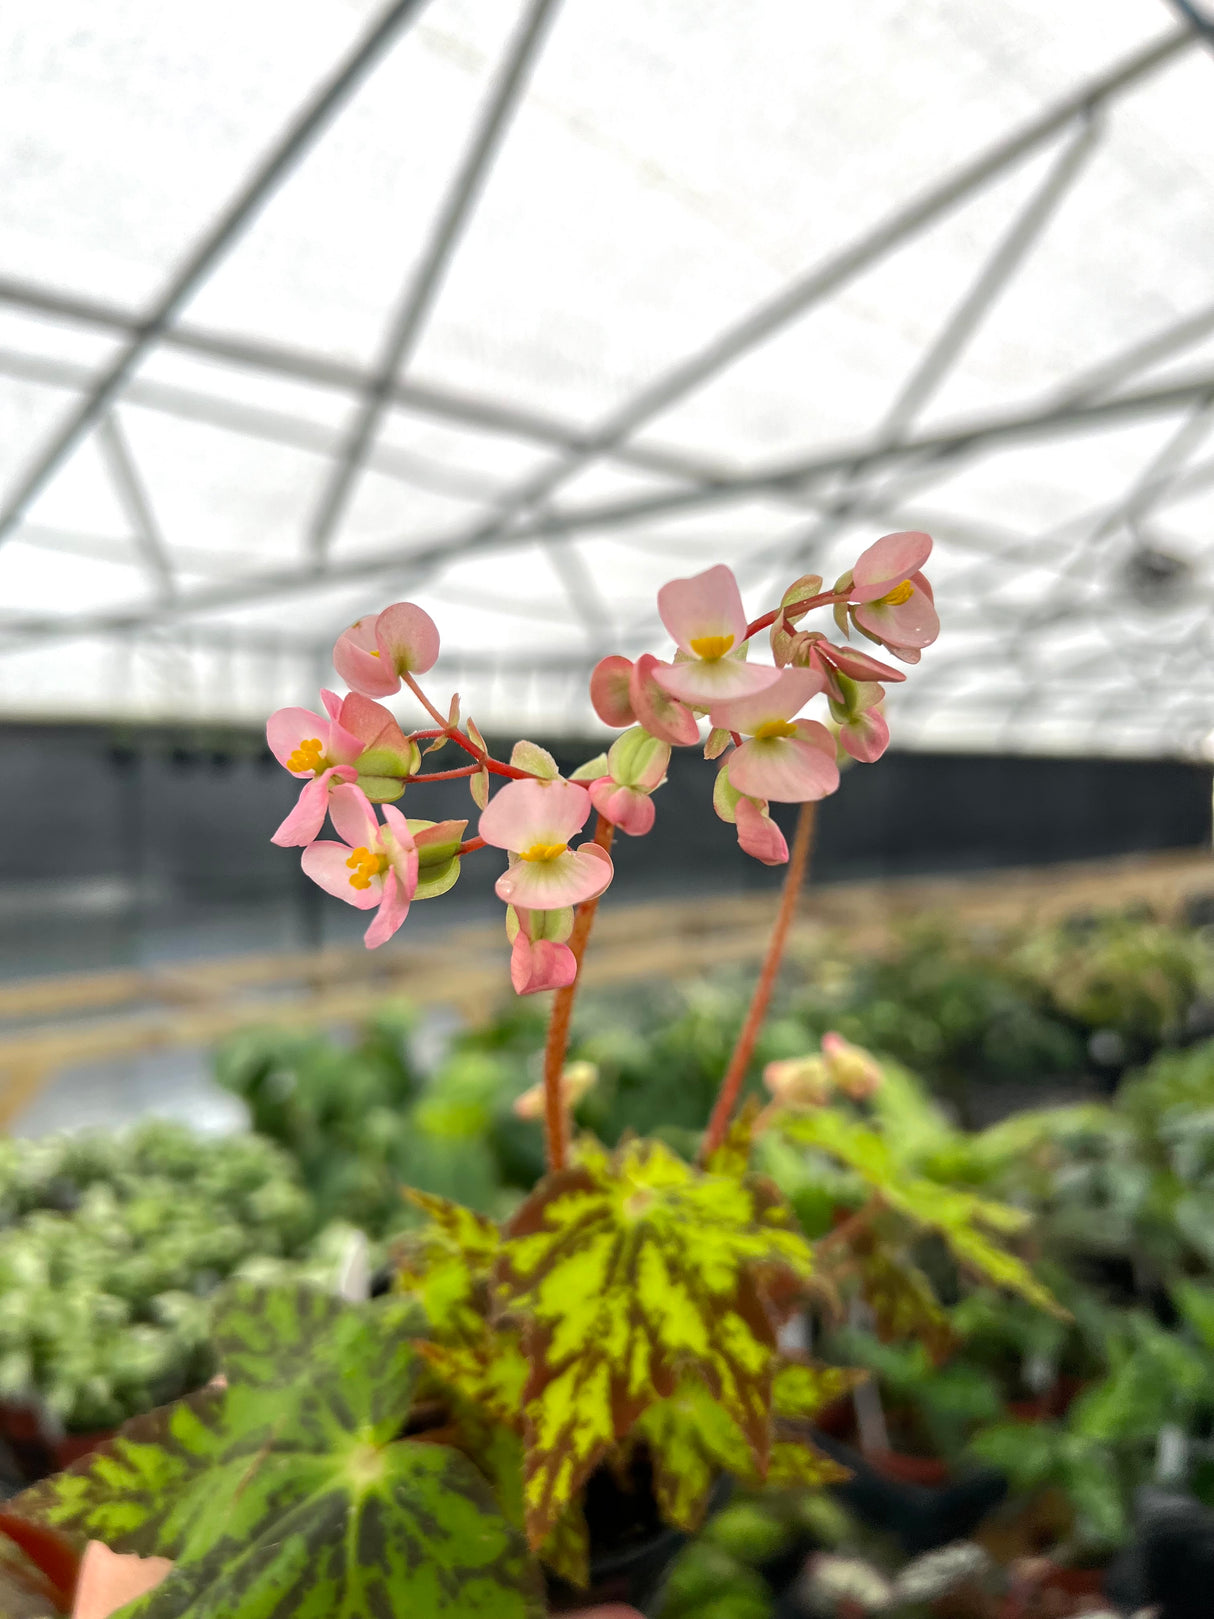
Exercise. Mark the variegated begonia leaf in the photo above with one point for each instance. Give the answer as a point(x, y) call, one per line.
point(629, 1271)
point(446, 1267)
point(902, 1301)
point(295, 1497)
point(692, 1441)
point(964, 1220)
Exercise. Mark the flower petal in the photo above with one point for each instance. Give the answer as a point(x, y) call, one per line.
point(303, 824)
point(357, 659)
point(856, 665)
point(547, 885)
point(523, 813)
point(625, 807)
point(705, 683)
point(325, 864)
point(539, 966)
point(609, 691)
point(787, 769)
point(108, 1580)
point(707, 605)
point(866, 737)
point(785, 697)
point(332, 704)
point(370, 724)
point(353, 818)
point(887, 562)
point(393, 909)
point(758, 834)
point(660, 714)
point(288, 727)
point(911, 623)
point(407, 638)
point(401, 849)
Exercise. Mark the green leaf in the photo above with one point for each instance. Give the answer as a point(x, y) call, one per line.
point(1196, 1305)
point(692, 1441)
point(627, 1271)
point(964, 1220)
point(903, 1303)
point(290, 1494)
point(446, 1267)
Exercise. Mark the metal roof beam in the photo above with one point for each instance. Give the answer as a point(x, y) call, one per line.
point(772, 481)
point(409, 319)
point(299, 134)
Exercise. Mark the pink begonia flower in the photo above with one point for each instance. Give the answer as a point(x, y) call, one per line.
point(636, 767)
point(373, 654)
point(624, 693)
point(387, 752)
point(375, 867)
point(758, 834)
point(788, 760)
point(309, 746)
point(534, 821)
point(855, 1071)
point(539, 957)
point(108, 1580)
point(577, 1080)
point(863, 731)
point(798, 1081)
point(889, 599)
point(707, 621)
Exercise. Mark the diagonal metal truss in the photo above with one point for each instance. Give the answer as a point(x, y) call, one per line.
point(1110, 676)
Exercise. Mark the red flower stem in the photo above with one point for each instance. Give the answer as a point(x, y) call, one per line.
point(425, 736)
point(470, 846)
point(556, 1114)
point(457, 736)
point(805, 606)
point(731, 1085)
point(446, 775)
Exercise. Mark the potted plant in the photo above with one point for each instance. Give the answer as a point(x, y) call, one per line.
point(545, 1407)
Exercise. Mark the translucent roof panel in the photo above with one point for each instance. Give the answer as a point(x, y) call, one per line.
point(520, 309)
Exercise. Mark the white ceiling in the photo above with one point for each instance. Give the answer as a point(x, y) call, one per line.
point(863, 219)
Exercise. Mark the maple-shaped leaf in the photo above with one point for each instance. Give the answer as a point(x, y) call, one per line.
point(691, 1440)
point(965, 1221)
point(902, 1301)
point(628, 1271)
point(296, 1497)
point(446, 1267)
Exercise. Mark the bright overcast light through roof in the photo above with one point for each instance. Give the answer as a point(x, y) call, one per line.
point(519, 310)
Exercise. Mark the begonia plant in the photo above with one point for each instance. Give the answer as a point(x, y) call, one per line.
point(437, 1452)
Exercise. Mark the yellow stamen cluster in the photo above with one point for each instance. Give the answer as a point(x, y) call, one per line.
point(364, 866)
point(711, 646)
point(308, 755)
point(770, 728)
point(544, 852)
point(899, 594)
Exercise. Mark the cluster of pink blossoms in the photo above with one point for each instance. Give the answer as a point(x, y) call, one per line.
point(356, 756)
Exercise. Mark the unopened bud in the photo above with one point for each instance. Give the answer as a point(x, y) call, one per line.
point(798, 1081)
point(856, 1072)
point(576, 1080)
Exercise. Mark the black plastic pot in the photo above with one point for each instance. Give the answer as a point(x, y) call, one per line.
point(631, 1550)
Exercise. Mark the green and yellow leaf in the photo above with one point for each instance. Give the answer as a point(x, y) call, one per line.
point(627, 1271)
point(296, 1496)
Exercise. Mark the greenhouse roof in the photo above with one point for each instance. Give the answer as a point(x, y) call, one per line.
point(518, 310)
